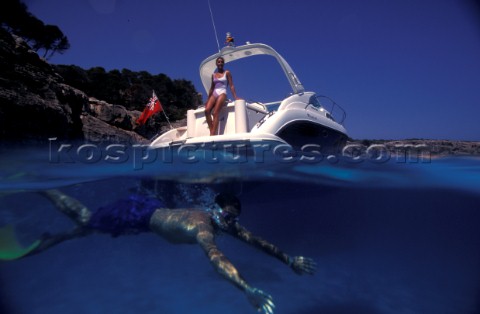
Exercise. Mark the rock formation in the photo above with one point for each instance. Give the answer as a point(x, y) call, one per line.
point(435, 148)
point(36, 105)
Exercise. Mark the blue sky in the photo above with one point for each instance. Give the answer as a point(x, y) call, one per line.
point(401, 69)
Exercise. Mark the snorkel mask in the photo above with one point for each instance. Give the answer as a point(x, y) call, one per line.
point(225, 218)
point(222, 218)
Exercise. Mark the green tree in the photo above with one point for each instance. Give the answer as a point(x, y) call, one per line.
point(51, 40)
point(74, 76)
point(15, 17)
point(133, 89)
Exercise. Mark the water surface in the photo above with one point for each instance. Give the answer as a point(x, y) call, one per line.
point(390, 237)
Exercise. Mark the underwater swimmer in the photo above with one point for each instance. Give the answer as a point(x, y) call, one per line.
point(141, 214)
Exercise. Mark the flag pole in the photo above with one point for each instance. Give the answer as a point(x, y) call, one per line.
point(171, 127)
point(164, 113)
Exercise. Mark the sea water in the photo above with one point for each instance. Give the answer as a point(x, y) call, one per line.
point(392, 235)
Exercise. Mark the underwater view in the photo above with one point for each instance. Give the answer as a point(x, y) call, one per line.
point(164, 157)
point(396, 236)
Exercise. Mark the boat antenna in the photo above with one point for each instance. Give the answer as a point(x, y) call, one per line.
point(213, 23)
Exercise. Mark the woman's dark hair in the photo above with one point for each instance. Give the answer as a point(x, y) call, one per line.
point(224, 199)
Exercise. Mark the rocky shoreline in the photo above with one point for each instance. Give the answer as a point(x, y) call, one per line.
point(36, 104)
point(435, 148)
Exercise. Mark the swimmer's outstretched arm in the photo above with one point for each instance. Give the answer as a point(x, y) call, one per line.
point(260, 300)
point(299, 264)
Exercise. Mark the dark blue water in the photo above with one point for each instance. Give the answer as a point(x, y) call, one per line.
point(394, 237)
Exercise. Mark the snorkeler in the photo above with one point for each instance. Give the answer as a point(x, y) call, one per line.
point(143, 214)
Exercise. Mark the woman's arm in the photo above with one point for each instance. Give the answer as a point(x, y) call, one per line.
point(212, 86)
point(232, 87)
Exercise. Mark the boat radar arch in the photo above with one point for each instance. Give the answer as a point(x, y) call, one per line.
point(230, 54)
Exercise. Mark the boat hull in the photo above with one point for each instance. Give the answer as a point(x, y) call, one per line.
point(302, 133)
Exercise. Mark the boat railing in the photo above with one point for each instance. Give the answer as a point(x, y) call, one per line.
point(272, 106)
point(257, 106)
point(337, 113)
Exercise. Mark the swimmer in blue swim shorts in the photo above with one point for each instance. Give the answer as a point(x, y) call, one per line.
point(139, 213)
point(217, 95)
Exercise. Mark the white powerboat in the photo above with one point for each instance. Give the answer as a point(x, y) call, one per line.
point(298, 120)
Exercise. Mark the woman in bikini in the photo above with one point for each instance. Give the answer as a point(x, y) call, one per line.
point(218, 94)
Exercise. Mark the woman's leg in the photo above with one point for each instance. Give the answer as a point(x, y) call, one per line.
point(216, 113)
point(208, 111)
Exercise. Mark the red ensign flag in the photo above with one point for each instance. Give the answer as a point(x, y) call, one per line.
point(151, 108)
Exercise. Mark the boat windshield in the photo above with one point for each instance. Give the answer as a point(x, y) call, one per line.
point(334, 110)
point(259, 79)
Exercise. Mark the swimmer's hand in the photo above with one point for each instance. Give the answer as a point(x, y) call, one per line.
point(302, 265)
point(260, 300)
